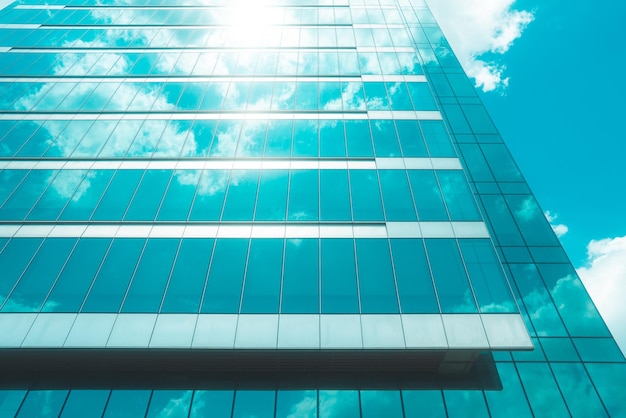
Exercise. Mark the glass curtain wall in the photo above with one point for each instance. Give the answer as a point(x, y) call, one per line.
point(274, 175)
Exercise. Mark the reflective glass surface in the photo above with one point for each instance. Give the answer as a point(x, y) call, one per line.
point(252, 177)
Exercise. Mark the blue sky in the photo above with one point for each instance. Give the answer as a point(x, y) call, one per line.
point(555, 90)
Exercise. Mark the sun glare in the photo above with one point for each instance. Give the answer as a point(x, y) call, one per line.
point(251, 21)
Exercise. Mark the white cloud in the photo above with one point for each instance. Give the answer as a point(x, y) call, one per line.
point(559, 229)
point(604, 277)
point(475, 28)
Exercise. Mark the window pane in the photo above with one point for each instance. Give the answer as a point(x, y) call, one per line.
point(397, 195)
point(578, 390)
point(385, 138)
point(334, 196)
point(463, 403)
point(212, 404)
point(112, 281)
point(332, 141)
point(339, 293)
point(381, 404)
point(262, 283)
point(437, 139)
point(296, 403)
point(169, 403)
point(148, 196)
point(485, 272)
point(542, 392)
point(114, 202)
point(303, 197)
point(339, 403)
point(223, 290)
point(358, 139)
point(87, 195)
point(188, 276)
point(423, 404)
point(38, 279)
point(10, 401)
point(14, 259)
point(510, 401)
point(85, 404)
point(179, 196)
point(16, 207)
point(146, 290)
point(272, 200)
point(71, 288)
point(376, 282)
point(127, 404)
point(305, 140)
point(459, 199)
point(365, 193)
point(278, 141)
point(241, 195)
point(411, 139)
point(256, 403)
point(210, 192)
point(42, 404)
point(451, 281)
point(415, 285)
point(300, 278)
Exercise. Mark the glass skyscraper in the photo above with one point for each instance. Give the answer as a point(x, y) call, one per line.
point(285, 208)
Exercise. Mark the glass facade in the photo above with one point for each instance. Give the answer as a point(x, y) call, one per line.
point(287, 208)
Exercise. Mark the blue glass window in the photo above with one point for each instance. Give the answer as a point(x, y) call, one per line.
point(169, 403)
point(300, 293)
point(437, 139)
point(85, 404)
point(415, 285)
point(38, 278)
point(397, 195)
point(381, 403)
point(423, 403)
point(151, 276)
point(305, 137)
point(463, 403)
point(113, 204)
point(42, 404)
point(427, 193)
point(291, 403)
point(358, 139)
point(453, 288)
point(212, 404)
point(490, 286)
point(188, 277)
point(209, 199)
point(334, 196)
point(341, 402)
point(332, 140)
point(263, 276)
point(377, 286)
point(411, 139)
point(271, 202)
point(257, 403)
point(127, 403)
point(339, 288)
point(366, 202)
point(80, 269)
point(87, 195)
point(303, 205)
point(240, 198)
point(385, 138)
point(224, 286)
point(148, 196)
point(14, 258)
point(109, 287)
